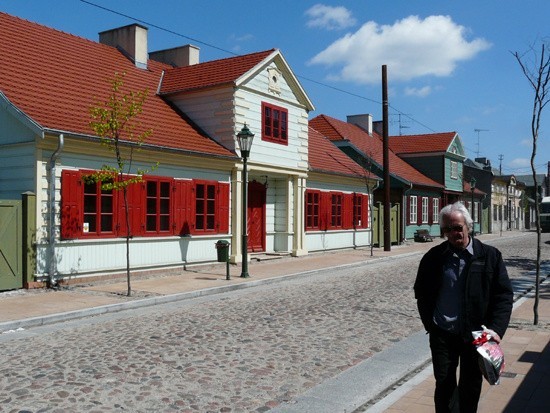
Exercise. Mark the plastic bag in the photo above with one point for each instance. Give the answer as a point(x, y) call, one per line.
point(491, 357)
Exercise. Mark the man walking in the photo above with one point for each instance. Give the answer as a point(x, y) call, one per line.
point(461, 285)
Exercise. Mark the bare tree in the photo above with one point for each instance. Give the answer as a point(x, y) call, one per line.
point(535, 66)
point(368, 177)
point(114, 121)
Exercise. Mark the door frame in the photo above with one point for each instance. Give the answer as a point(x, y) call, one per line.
point(255, 188)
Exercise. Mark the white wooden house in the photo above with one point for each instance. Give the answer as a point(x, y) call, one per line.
point(48, 82)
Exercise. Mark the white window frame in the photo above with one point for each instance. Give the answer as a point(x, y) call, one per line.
point(413, 213)
point(435, 210)
point(425, 201)
point(454, 170)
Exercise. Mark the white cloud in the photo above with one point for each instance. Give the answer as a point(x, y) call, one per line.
point(329, 18)
point(410, 48)
point(418, 92)
point(519, 163)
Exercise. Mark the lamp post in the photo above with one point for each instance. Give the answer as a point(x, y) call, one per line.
point(472, 187)
point(245, 137)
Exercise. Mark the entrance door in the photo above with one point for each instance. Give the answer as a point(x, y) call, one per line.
point(256, 216)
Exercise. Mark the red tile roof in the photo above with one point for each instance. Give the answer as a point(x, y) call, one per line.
point(325, 157)
point(55, 77)
point(210, 74)
point(428, 143)
point(371, 146)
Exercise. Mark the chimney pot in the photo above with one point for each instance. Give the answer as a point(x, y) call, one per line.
point(178, 56)
point(364, 121)
point(131, 40)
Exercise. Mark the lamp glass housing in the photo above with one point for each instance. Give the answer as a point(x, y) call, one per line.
point(245, 138)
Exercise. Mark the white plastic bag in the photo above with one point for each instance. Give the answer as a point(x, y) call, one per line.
point(491, 357)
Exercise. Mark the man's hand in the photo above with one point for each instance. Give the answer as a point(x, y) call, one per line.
point(493, 334)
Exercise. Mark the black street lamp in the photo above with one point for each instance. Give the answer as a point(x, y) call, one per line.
point(245, 137)
point(472, 187)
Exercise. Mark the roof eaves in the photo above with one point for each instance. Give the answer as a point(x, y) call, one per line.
point(20, 115)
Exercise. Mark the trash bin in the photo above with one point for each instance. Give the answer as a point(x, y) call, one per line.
point(222, 247)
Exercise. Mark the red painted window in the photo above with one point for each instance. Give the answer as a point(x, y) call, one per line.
point(334, 210)
point(98, 210)
point(274, 124)
point(361, 211)
point(156, 206)
point(158, 201)
point(313, 211)
point(205, 207)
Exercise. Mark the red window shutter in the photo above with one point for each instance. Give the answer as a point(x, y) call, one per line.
point(365, 212)
point(71, 204)
point(136, 210)
point(347, 211)
point(183, 207)
point(222, 202)
point(325, 204)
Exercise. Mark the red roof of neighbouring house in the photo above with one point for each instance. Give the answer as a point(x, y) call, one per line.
point(54, 78)
point(210, 74)
point(370, 146)
point(325, 157)
point(427, 143)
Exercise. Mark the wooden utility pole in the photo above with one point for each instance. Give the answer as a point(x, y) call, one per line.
point(386, 148)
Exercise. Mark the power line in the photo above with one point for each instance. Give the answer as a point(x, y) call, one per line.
point(236, 54)
point(158, 27)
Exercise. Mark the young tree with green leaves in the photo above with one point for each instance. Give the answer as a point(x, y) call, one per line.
point(535, 66)
point(115, 122)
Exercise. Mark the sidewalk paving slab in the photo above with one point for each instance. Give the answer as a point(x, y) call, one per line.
point(523, 388)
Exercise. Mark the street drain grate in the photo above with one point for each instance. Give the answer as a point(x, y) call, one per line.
point(508, 375)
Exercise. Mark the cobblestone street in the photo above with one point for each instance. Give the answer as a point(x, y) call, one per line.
point(243, 351)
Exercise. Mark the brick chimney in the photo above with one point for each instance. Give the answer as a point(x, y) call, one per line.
point(130, 40)
point(363, 121)
point(178, 56)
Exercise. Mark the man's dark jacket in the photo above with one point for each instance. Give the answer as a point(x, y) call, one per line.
point(488, 295)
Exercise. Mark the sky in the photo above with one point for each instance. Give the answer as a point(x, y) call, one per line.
point(450, 64)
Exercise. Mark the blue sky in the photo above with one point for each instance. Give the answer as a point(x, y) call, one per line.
point(450, 63)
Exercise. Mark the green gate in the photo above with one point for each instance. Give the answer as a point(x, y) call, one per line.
point(11, 245)
point(378, 225)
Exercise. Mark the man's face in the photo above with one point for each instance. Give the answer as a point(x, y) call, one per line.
point(456, 230)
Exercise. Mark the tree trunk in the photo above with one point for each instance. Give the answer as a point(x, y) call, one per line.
point(128, 236)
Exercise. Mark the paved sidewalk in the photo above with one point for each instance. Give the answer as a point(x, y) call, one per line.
point(524, 387)
point(525, 384)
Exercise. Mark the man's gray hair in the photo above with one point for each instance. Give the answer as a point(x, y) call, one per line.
point(461, 209)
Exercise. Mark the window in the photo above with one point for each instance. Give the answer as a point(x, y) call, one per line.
point(435, 210)
point(425, 210)
point(156, 206)
point(361, 211)
point(326, 210)
point(312, 210)
point(98, 210)
point(205, 207)
point(413, 205)
point(274, 124)
point(336, 211)
point(475, 215)
point(157, 218)
point(454, 170)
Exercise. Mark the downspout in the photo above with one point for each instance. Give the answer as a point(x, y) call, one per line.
point(52, 282)
point(404, 214)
